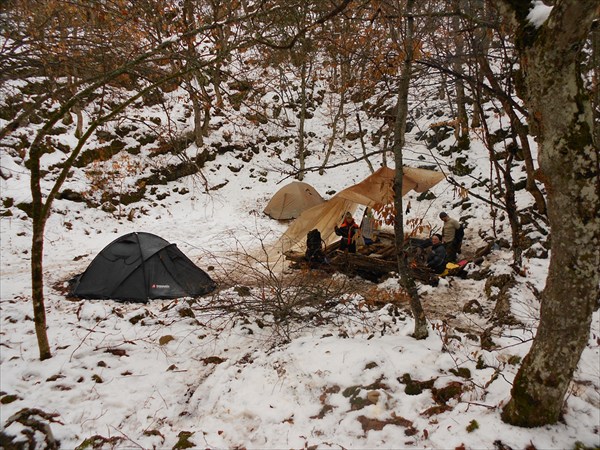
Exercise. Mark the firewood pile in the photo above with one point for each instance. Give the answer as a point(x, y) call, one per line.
point(374, 262)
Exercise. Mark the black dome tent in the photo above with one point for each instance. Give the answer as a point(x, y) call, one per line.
point(141, 266)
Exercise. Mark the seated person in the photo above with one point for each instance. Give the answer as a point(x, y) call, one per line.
point(314, 253)
point(349, 231)
point(436, 260)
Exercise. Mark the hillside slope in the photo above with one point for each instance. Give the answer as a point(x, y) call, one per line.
point(209, 373)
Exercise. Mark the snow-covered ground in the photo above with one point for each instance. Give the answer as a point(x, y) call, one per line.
point(182, 372)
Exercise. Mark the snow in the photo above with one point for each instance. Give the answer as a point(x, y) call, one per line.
point(539, 13)
point(143, 374)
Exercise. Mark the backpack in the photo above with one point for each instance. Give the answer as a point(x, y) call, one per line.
point(459, 234)
point(458, 238)
point(314, 248)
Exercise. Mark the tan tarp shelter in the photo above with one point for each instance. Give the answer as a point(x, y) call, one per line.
point(291, 200)
point(378, 188)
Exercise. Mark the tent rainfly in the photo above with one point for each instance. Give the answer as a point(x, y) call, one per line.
point(376, 189)
point(141, 266)
point(291, 200)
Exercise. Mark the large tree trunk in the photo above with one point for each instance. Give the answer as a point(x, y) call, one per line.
point(560, 114)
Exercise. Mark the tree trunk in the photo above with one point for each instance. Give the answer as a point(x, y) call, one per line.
point(197, 108)
point(362, 143)
point(406, 280)
point(596, 80)
point(331, 140)
point(461, 131)
point(37, 255)
point(513, 214)
point(197, 93)
point(521, 130)
point(506, 190)
point(301, 149)
point(386, 142)
point(560, 114)
point(37, 290)
point(480, 44)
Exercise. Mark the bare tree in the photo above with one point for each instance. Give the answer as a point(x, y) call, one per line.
point(84, 92)
point(407, 45)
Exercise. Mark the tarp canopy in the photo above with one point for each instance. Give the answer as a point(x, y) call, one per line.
point(141, 266)
point(291, 200)
point(376, 189)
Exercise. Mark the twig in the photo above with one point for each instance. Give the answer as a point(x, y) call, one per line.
point(480, 404)
point(126, 437)
point(90, 331)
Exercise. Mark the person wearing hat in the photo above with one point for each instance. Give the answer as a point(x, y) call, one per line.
point(449, 230)
point(349, 231)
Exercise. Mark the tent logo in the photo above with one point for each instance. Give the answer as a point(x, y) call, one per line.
point(161, 286)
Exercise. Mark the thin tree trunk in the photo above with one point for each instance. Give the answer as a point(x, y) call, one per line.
point(79, 115)
point(442, 88)
point(521, 131)
point(362, 143)
point(37, 255)
point(507, 190)
point(334, 128)
point(386, 143)
point(406, 280)
point(201, 110)
point(197, 108)
point(513, 215)
point(461, 131)
point(561, 116)
point(206, 106)
point(596, 80)
point(215, 74)
point(480, 44)
point(301, 149)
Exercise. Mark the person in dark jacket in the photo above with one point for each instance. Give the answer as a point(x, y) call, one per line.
point(436, 260)
point(349, 231)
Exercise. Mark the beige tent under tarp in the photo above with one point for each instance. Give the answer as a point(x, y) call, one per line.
point(376, 189)
point(291, 200)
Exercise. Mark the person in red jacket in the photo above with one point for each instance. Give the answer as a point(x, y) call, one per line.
point(349, 231)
